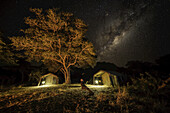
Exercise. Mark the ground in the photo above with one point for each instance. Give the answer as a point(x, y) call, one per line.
point(141, 97)
point(60, 98)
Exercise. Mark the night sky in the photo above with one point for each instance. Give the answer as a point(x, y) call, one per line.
point(121, 30)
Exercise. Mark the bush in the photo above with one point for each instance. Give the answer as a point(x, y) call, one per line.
point(148, 93)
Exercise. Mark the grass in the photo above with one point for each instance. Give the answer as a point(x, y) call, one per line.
point(145, 95)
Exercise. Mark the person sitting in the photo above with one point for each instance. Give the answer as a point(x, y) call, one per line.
point(83, 86)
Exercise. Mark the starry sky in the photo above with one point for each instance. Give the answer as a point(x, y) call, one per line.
point(121, 30)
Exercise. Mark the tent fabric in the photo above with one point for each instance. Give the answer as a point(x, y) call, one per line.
point(49, 79)
point(108, 78)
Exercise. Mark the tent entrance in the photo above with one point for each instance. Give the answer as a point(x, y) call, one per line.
point(43, 81)
point(98, 81)
point(54, 80)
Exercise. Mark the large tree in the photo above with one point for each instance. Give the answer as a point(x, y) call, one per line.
point(56, 39)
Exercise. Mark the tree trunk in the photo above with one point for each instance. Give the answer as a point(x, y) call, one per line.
point(68, 78)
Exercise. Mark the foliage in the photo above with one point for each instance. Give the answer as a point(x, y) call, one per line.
point(149, 93)
point(57, 39)
point(145, 85)
point(35, 75)
point(6, 55)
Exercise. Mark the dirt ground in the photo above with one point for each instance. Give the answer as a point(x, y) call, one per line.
point(56, 99)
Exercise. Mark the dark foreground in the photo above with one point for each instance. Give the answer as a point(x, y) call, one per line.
point(59, 99)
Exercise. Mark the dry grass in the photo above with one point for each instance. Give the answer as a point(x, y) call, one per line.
point(75, 100)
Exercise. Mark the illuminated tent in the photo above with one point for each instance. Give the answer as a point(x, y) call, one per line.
point(49, 79)
point(108, 78)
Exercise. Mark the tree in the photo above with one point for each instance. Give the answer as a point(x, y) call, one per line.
point(56, 38)
point(6, 55)
point(36, 74)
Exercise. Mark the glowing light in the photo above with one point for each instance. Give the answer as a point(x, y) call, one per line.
point(97, 86)
point(43, 82)
point(45, 86)
point(52, 85)
point(41, 86)
point(97, 81)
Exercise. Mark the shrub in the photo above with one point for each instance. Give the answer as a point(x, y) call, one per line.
point(148, 93)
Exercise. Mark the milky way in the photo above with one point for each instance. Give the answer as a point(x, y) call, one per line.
point(131, 36)
point(121, 30)
point(113, 33)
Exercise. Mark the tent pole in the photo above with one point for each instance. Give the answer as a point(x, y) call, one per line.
point(39, 82)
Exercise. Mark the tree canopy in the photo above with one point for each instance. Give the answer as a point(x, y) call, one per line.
point(57, 39)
